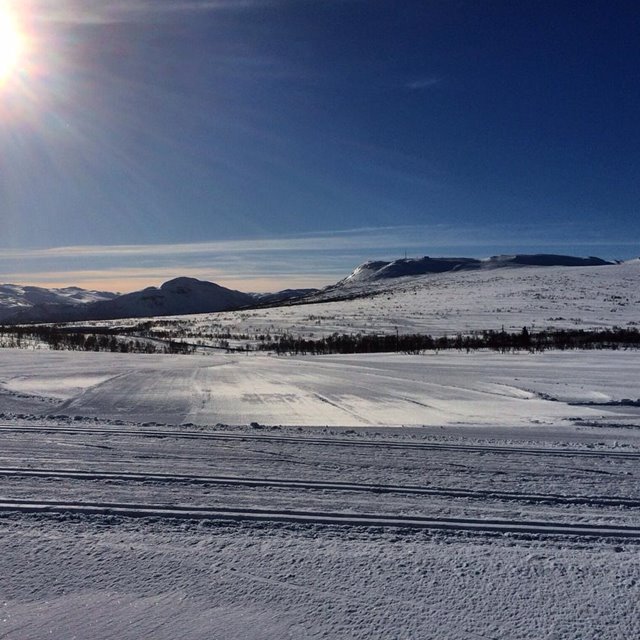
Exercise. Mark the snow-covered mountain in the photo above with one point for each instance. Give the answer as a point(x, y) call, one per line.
point(13, 295)
point(447, 303)
point(24, 301)
point(178, 296)
point(190, 296)
point(281, 296)
point(382, 270)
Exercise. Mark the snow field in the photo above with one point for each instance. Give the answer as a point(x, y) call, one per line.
point(386, 389)
point(506, 506)
point(445, 304)
point(72, 574)
point(111, 578)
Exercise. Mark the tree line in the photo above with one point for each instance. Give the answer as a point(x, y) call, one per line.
point(124, 340)
point(77, 339)
point(558, 339)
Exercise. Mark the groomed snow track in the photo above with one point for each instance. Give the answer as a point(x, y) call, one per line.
point(74, 474)
point(318, 518)
point(334, 442)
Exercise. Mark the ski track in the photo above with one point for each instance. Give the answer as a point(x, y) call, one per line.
point(115, 522)
point(52, 480)
point(322, 486)
point(330, 442)
point(314, 518)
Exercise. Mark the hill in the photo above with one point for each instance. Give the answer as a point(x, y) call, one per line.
point(182, 296)
point(381, 270)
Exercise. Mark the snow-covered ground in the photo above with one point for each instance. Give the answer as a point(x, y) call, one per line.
point(112, 578)
point(385, 389)
point(445, 495)
point(436, 304)
point(146, 531)
point(440, 304)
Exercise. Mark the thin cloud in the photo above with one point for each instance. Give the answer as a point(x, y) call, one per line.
point(353, 239)
point(269, 264)
point(385, 239)
point(114, 11)
point(96, 12)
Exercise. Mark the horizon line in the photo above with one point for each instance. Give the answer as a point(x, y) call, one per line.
point(303, 260)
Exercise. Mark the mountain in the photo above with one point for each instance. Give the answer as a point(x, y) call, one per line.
point(191, 296)
point(464, 301)
point(18, 301)
point(175, 297)
point(381, 270)
point(13, 295)
point(264, 299)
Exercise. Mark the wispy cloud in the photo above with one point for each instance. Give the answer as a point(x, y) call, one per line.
point(269, 264)
point(422, 83)
point(261, 264)
point(114, 11)
point(123, 280)
point(352, 239)
point(371, 239)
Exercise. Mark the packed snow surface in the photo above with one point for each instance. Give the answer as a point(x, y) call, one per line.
point(446, 496)
point(107, 578)
point(145, 531)
point(383, 389)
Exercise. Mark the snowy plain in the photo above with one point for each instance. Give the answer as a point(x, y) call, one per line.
point(448, 303)
point(360, 390)
point(445, 495)
point(506, 507)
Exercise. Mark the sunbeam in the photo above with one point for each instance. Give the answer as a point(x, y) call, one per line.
point(11, 44)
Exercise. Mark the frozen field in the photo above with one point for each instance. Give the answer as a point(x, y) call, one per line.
point(386, 389)
point(505, 507)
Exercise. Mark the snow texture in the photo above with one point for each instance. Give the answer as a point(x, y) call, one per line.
point(384, 389)
point(76, 565)
point(446, 495)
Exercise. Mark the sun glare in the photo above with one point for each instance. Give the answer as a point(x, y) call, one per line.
point(11, 45)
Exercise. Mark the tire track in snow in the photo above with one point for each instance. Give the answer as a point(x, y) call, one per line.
point(75, 474)
point(317, 517)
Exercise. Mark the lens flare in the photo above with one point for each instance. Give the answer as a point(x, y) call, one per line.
point(11, 44)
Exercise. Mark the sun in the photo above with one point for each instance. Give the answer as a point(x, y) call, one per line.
point(11, 45)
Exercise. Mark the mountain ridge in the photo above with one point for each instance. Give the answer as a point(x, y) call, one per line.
point(402, 267)
point(184, 295)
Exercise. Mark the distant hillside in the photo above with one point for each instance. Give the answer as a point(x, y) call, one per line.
point(380, 270)
point(281, 296)
point(18, 301)
point(191, 296)
point(175, 297)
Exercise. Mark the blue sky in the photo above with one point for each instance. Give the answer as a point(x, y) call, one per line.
point(273, 143)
